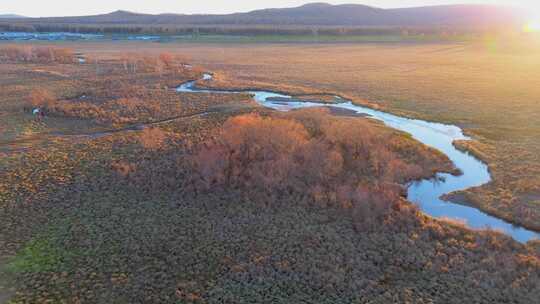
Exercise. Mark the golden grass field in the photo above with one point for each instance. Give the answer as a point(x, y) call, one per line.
point(488, 88)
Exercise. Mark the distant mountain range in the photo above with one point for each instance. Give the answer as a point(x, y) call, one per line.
point(318, 14)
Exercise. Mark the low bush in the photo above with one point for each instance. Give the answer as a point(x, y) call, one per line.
point(41, 98)
point(313, 158)
point(36, 54)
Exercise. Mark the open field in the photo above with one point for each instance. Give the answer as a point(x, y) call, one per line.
point(488, 88)
point(100, 203)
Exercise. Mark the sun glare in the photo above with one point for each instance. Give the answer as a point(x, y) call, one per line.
point(531, 9)
point(532, 26)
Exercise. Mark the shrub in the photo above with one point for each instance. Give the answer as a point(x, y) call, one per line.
point(164, 62)
point(327, 161)
point(152, 138)
point(292, 158)
point(167, 59)
point(312, 157)
point(41, 98)
point(41, 54)
point(252, 151)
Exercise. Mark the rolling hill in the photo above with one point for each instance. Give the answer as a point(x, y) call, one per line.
point(317, 14)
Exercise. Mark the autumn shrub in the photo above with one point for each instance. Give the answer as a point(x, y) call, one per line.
point(79, 110)
point(173, 62)
point(131, 107)
point(310, 157)
point(123, 168)
point(164, 62)
point(54, 54)
point(115, 111)
point(307, 157)
point(36, 54)
point(253, 151)
point(314, 148)
point(152, 138)
point(15, 54)
point(41, 98)
point(167, 59)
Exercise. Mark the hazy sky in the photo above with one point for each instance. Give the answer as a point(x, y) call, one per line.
point(36, 8)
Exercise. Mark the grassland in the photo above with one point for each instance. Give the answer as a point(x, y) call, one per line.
point(487, 87)
point(158, 216)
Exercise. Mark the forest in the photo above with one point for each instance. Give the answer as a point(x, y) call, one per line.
point(169, 31)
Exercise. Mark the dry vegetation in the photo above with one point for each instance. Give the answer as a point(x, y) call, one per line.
point(330, 161)
point(242, 205)
point(36, 54)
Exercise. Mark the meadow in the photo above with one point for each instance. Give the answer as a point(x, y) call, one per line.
point(129, 192)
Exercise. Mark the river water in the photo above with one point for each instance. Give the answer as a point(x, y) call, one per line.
point(425, 193)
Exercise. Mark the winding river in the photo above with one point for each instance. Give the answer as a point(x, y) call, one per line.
point(426, 193)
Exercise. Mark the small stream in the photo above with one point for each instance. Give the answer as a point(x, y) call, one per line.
point(425, 193)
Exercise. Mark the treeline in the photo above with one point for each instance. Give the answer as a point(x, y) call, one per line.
point(231, 30)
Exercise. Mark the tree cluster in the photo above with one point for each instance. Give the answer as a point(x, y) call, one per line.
point(36, 54)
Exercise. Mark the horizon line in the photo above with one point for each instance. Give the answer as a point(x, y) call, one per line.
point(266, 8)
